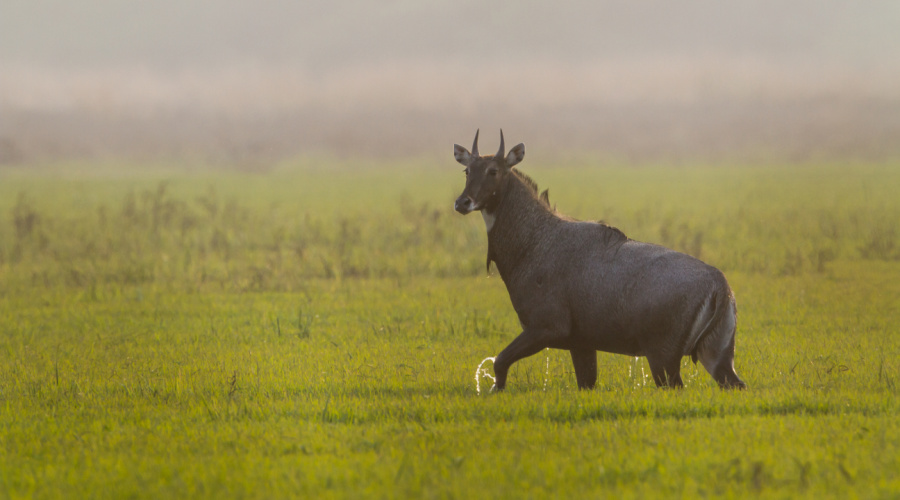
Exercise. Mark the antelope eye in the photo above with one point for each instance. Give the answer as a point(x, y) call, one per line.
point(492, 172)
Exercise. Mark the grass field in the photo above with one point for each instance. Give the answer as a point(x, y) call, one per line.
point(314, 332)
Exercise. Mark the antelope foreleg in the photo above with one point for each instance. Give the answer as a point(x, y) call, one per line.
point(526, 344)
point(585, 361)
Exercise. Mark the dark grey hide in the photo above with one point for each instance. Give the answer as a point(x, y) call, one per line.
point(585, 287)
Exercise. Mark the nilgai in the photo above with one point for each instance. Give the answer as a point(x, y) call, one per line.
point(586, 287)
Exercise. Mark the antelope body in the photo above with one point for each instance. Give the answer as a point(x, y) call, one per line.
point(586, 287)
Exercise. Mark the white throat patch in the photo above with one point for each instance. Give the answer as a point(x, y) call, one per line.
point(488, 219)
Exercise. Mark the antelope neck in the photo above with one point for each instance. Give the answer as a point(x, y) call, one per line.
point(514, 225)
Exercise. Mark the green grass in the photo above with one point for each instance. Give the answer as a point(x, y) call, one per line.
point(314, 331)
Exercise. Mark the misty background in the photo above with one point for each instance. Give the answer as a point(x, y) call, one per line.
point(249, 84)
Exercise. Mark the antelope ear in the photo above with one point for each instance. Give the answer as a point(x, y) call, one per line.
point(515, 155)
point(462, 154)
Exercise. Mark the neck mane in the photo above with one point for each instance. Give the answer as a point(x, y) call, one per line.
point(521, 218)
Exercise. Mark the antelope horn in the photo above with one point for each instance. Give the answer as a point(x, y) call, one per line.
point(501, 151)
point(475, 144)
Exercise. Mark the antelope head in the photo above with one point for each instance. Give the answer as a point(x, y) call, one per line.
point(484, 175)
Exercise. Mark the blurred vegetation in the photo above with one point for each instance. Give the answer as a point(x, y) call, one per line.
point(271, 232)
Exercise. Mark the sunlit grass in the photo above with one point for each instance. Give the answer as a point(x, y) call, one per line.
point(312, 332)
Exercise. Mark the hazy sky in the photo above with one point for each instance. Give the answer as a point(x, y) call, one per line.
point(324, 34)
point(287, 76)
